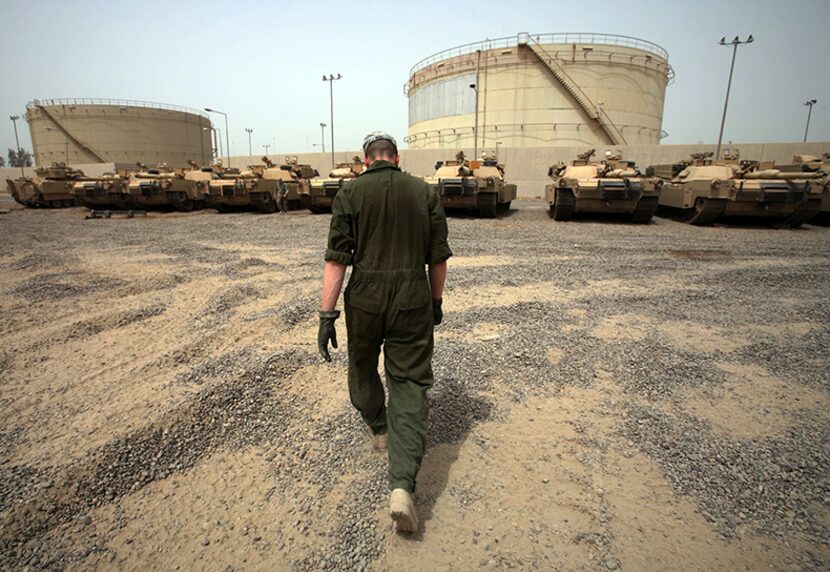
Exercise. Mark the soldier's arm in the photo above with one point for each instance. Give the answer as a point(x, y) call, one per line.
point(333, 274)
point(439, 249)
point(437, 277)
point(340, 251)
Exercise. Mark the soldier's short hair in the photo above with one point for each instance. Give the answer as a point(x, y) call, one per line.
point(380, 149)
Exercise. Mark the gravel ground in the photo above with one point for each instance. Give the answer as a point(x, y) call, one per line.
point(138, 354)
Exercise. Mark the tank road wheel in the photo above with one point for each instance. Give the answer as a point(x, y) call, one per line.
point(646, 207)
point(267, 207)
point(704, 212)
point(563, 205)
point(487, 203)
point(184, 205)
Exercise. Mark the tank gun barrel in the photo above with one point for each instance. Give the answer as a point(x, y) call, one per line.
point(776, 174)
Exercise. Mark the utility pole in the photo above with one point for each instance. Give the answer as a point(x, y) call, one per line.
point(266, 147)
point(331, 79)
point(474, 87)
point(14, 119)
point(323, 136)
point(249, 130)
point(734, 43)
point(809, 103)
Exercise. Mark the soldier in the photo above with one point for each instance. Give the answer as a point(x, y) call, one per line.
point(391, 227)
point(282, 197)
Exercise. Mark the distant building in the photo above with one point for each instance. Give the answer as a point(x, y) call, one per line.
point(81, 131)
point(538, 90)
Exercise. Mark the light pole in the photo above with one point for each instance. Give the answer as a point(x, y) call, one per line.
point(266, 147)
point(227, 134)
point(809, 103)
point(331, 79)
point(14, 119)
point(474, 87)
point(734, 43)
point(323, 136)
point(249, 130)
point(219, 140)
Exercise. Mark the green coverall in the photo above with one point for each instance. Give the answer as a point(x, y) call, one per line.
point(389, 226)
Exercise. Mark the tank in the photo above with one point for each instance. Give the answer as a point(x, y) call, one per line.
point(295, 176)
point(323, 189)
point(813, 164)
point(610, 186)
point(51, 187)
point(702, 190)
point(165, 186)
point(231, 187)
point(107, 191)
point(472, 185)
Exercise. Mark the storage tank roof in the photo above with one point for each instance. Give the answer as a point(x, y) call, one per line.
point(551, 38)
point(116, 103)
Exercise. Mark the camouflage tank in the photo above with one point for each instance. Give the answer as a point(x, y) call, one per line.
point(472, 185)
point(107, 191)
point(164, 186)
point(323, 189)
point(230, 188)
point(51, 187)
point(610, 186)
point(820, 165)
point(702, 190)
point(295, 176)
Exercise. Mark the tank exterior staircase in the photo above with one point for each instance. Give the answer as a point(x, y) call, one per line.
point(594, 113)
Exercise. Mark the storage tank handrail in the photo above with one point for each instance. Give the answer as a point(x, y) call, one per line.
point(117, 103)
point(550, 38)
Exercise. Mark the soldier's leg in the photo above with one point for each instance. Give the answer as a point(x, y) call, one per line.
point(408, 358)
point(366, 392)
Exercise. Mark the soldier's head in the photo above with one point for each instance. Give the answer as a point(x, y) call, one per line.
point(380, 146)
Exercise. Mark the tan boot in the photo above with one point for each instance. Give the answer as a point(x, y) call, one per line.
point(378, 441)
point(402, 511)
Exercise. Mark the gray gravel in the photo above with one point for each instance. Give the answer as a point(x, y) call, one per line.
point(768, 485)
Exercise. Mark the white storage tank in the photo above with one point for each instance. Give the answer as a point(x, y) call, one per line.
point(537, 90)
point(82, 131)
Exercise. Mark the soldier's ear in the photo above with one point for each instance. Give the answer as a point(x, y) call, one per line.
point(397, 160)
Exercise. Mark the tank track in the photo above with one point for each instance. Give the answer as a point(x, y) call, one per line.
point(646, 207)
point(705, 211)
point(266, 207)
point(564, 205)
point(487, 204)
point(806, 211)
point(185, 205)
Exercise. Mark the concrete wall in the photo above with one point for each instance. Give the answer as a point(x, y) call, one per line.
point(521, 104)
point(63, 130)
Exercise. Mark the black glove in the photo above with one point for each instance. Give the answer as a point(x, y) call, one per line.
point(327, 332)
point(437, 312)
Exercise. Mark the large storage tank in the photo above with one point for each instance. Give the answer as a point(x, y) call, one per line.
point(81, 131)
point(537, 90)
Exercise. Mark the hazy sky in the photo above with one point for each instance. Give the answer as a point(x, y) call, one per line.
point(262, 62)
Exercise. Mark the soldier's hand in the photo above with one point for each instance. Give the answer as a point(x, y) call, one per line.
point(437, 312)
point(327, 332)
